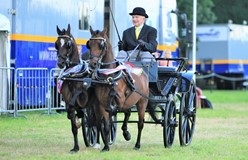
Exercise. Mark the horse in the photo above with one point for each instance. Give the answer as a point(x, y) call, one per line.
point(74, 94)
point(119, 92)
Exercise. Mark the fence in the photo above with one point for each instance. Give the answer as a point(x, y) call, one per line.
point(211, 80)
point(29, 89)
point(55, 99)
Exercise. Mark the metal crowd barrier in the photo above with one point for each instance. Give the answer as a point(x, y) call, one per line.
point(6, 90)
point(55, 99)
point(31, 89)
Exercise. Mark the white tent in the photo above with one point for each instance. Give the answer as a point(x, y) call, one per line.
point(4, 62)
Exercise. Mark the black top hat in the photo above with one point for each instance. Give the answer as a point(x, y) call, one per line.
point(139, 11)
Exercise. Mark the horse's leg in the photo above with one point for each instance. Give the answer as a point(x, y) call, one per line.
point(141, 112)
point(71, 115)
point(126, 134)
point(97, 120)
point(101, 123)
point(105, 130)
point(105, 134)
point(97, 145)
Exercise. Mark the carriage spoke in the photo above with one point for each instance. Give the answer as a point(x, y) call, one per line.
point(188, 131)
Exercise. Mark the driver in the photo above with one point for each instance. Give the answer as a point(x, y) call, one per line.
point(140, 34)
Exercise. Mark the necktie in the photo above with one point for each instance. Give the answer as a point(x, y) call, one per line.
point(137, 31)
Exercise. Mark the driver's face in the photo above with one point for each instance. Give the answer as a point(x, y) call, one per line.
point(138, 20)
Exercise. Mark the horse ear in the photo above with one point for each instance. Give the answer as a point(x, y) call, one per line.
point(69, 29)
point(105, 31)
point(91, 30)
point(58, 30)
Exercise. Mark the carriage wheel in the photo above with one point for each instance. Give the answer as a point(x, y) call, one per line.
point(113, 129)
point(170, 124)
point(187, 115)
point(89, 129)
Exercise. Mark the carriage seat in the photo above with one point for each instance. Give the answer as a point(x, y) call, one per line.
point(166, 69)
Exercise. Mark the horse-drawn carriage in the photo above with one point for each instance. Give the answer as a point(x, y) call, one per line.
point(167, 93)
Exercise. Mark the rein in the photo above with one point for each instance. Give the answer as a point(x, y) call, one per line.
point(102, 49)
point(68, 62)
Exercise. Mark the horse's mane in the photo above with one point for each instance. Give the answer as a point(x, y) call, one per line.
point(110, 55)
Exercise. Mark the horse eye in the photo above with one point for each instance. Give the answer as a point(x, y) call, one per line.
point(68, 44)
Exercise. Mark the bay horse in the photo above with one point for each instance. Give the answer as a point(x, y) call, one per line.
point(74, 94)
point(119, 93)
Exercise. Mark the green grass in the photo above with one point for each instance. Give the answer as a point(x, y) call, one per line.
point(221, 133)
point(223, 96)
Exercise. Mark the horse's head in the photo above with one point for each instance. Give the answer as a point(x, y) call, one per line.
point(66, 46)
point(100, 48)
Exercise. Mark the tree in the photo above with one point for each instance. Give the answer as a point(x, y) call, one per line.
point(205, 15)
point(231, 10)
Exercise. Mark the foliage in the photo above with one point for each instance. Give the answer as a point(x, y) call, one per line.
point(205, 15)
point(231, 10)
point(216, 11)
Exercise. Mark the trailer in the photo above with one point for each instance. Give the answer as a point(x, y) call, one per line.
point(33, 29)
point(222, 52)
point(32, 36)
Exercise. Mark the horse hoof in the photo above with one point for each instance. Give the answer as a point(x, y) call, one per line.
point(127, 135)
point(73, 151)
point(105, 149)
point(137, 147)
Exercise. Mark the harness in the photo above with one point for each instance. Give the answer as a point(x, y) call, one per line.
point(66, 58)
point(80, 70)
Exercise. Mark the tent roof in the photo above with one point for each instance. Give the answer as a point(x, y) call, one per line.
point(4, 23)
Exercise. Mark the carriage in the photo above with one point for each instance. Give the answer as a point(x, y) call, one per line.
point(171, 100)
point(172, 103)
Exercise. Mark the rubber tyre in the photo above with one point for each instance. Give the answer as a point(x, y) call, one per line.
point(89, 129)
point(187, 116)
point(169, 124)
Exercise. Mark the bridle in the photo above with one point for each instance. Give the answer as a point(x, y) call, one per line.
point(69, 47)
point(102, 47)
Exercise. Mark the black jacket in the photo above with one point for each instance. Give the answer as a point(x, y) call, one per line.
point(147, 34)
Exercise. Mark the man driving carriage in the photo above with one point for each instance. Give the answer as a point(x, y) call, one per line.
point(141, 35)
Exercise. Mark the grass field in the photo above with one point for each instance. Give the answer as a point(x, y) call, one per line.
point(221, 133)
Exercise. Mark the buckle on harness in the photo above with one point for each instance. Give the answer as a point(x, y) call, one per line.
point(111, 81)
